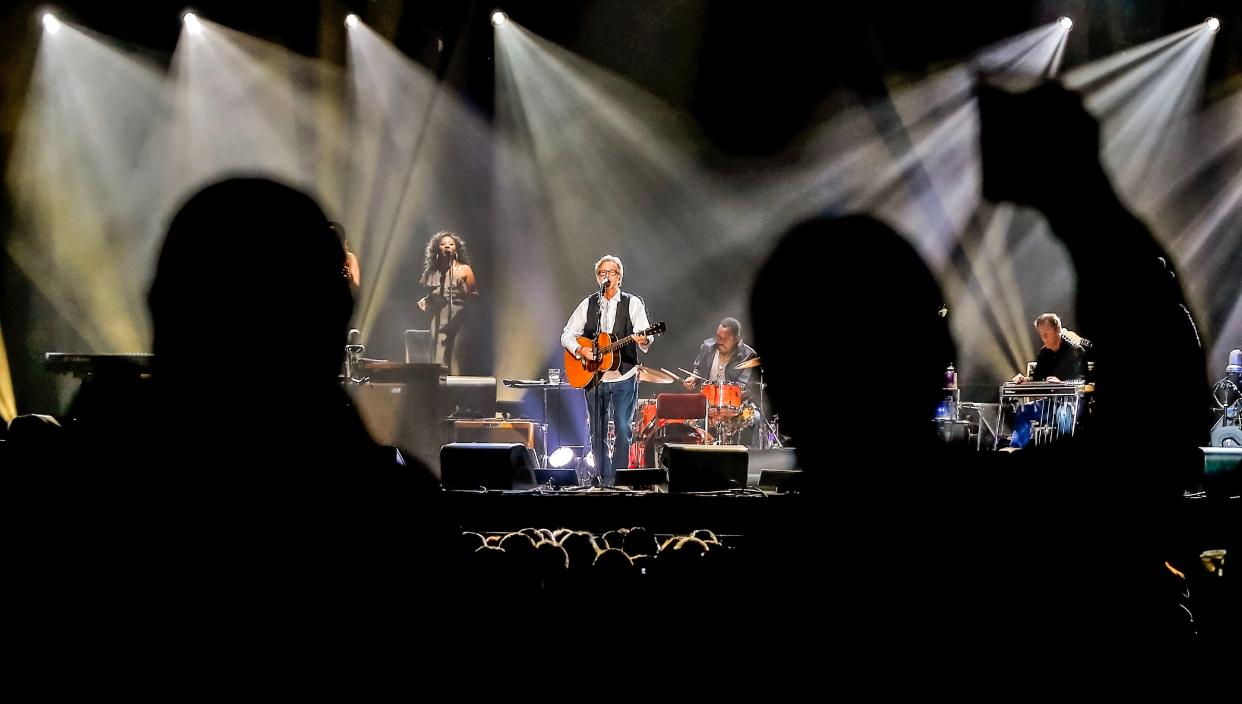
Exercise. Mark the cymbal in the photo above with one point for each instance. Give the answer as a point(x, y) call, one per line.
point(748, 364)
point(656, 376)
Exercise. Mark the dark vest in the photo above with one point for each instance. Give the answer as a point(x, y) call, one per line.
point(621, 327)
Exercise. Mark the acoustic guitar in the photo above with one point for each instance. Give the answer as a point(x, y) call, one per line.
point(583, 373)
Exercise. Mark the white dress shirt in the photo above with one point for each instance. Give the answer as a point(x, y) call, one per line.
point(577, 325)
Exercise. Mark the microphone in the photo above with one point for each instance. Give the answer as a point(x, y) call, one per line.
point(353, 350)
point(603, 287)
point(353, 342)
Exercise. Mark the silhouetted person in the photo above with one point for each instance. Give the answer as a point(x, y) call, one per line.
point(1127, 470)
point(879, 368)
point(246, 371)
point(249, 502)
point(859, 360)
point(1065, 541)
point(1041, 148)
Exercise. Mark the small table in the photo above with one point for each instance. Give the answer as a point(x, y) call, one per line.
point(546, 386)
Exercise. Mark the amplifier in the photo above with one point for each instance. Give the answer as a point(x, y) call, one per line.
point(522, 431)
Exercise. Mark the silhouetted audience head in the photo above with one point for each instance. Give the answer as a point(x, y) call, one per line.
point(518, 543)
point(613, 561)
point(36, 428)
point(581, 548)
point(706, 536)
point(250, 272)
point(862, 353)
point(33, 440)
point(615, 539)
point(640, 541)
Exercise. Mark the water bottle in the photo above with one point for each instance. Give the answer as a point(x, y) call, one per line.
point(951, 393)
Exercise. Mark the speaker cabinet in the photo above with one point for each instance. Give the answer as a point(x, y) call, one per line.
point(704, 467)
point(487, 465)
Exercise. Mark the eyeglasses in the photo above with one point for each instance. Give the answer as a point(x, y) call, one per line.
point(608, 272)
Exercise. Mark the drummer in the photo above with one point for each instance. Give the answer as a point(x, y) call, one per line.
point(720, 356)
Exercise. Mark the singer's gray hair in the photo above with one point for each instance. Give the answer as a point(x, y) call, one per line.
point(609, 258)
point(1049, 319)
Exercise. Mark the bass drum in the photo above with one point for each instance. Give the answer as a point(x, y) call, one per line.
point(672, 431)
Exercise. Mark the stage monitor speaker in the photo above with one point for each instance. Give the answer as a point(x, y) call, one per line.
point(704, 467)
point(522, 431)
point(1222, 472)
point(487, 465)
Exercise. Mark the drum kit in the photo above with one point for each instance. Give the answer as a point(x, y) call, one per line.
point(731, 416)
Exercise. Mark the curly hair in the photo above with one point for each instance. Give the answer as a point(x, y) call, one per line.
point(431, 257)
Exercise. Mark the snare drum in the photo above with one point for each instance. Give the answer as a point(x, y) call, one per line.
point(724, 399)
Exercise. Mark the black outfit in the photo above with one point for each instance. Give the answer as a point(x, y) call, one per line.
point(622, 326)
point(1068, 363)
point(707, 355)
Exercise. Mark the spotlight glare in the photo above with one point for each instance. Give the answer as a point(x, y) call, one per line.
point(560, 458)
point(351, 20)
point(590, 459)
point(1066, 23)
point(499, 18)
point(50, 24)
point(191, 23)
point(1213, 24)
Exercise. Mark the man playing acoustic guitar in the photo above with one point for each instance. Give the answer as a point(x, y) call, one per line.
point(612, 391)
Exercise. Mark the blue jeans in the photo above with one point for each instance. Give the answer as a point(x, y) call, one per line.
point(615, 400)
point(1062, 415)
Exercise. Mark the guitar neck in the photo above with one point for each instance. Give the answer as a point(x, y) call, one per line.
point(617, 344)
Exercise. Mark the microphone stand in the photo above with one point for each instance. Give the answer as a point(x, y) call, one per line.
point(762, 437)
point(601, 432)
point(446, 290)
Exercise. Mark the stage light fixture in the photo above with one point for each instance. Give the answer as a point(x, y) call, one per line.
point(191, 23)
